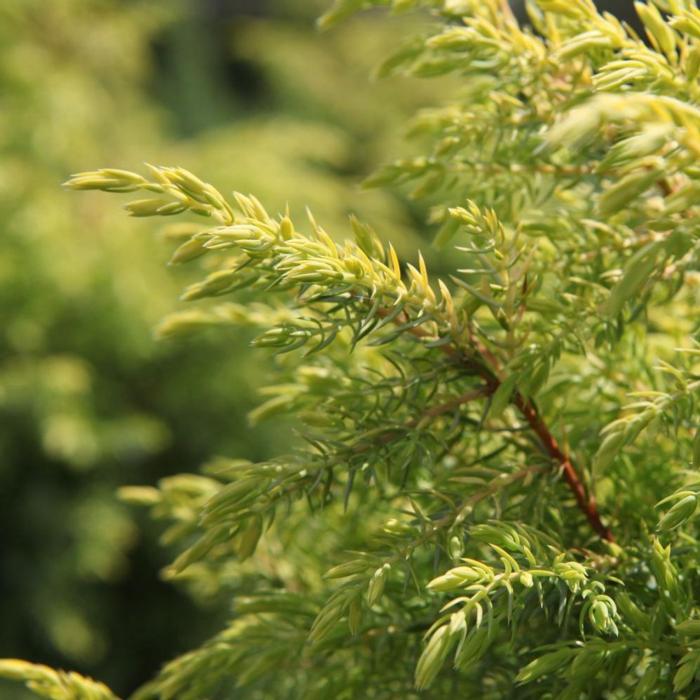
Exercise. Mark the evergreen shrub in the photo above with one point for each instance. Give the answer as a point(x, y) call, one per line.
point(493, 492)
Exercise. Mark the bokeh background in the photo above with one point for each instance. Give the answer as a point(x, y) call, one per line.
point(247, 94)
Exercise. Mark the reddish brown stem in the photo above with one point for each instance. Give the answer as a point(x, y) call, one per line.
point(486, 365)
point(433, 412)
point(467, 397)
point(586, 502)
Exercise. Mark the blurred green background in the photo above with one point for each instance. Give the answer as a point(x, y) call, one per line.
point(247, 94)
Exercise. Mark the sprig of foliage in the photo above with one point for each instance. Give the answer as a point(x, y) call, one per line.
point(55, 685)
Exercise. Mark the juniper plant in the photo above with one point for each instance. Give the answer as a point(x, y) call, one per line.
point(493, 492)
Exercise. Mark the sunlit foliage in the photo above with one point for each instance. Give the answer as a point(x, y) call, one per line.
point(493, 491)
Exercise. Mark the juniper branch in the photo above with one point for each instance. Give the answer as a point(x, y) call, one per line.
point(585, 502)
point(262, 239)
point(567, 172)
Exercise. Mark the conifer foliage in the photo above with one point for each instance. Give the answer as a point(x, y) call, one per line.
point(494, 487)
